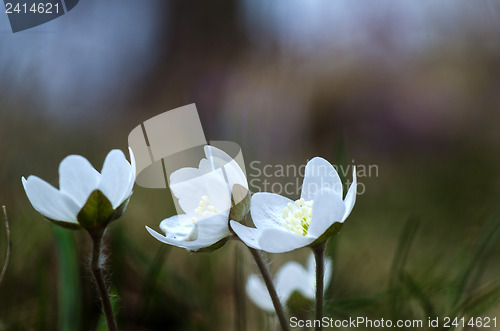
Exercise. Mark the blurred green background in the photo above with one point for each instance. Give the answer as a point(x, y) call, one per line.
point(410, 87)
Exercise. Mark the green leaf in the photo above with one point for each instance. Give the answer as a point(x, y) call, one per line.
point(69, 293)
point(98, 212)
point(240, 200)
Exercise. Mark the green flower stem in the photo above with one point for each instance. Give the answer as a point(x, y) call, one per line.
point(319, 256)
point(239, 290)
point(270, 287)
point(95, 266)
point(9, 244)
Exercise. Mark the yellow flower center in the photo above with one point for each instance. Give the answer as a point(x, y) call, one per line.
point(297, 216)
point(204, 209)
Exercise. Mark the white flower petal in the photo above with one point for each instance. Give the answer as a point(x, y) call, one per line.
point(319, 174)
point(218, 190)
point(77, 178)
point(216, 175)
point(327, 208)
point(165, 239)
point(184, 174)
point(189, 245)
point(216, 156)
point(189, 192)
point(115, 177)
point(257, 291)
point(293, 277)
point(311, 266)
point(234, 174)
point(206, 221)
point(214, 227)
point(175, 229)
point(267, 209)
point(49, 201)
point(218, 159)
point(350, 197)
point(133, 173)
point(311, 271)
point(274, 240)
point(328, 272)
point(214, 159)
point(181, 231)
point(205, 165)
point(250, 236)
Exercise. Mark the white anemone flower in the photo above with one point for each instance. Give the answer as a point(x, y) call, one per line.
point(291, 277)
point(85, 198)
point(204, 194)
point(283, 225)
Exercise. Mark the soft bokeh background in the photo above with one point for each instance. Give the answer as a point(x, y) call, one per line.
point(411, 87)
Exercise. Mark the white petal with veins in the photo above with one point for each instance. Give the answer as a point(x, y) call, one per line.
point(49, 201)
point(77, 178)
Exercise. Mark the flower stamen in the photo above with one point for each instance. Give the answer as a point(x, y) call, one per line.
point(297, 216)
point(204, 209)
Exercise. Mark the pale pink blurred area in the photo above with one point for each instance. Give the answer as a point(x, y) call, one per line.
point(387, 74)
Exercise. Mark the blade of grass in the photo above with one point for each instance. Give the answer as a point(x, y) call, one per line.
point(415, 290)
point(142, 261)
point(480, 301)
point(343, 308)
point(154, 271)
point(69, 295)
point(399, 262)
point(102, 325)
point(209, 289)
point(43, 294)
point(493, 233)
point(9, 244)
point(170, 286)
point(471, 275)
point(405, 242)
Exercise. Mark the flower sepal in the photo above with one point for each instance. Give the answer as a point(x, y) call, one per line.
point(213, 247)
point(240, 200)
point(98, 212)
point(329, 233)
point(66, 225)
